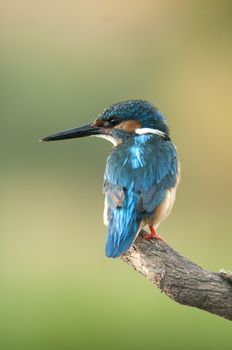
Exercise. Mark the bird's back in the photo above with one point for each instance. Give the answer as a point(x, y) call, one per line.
point(138, 174)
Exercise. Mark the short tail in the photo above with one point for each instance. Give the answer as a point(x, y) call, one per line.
point(122, 231)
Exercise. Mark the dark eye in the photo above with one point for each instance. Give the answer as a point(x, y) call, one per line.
point(113, 120)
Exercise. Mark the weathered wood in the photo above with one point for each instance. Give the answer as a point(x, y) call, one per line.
point(181, 279)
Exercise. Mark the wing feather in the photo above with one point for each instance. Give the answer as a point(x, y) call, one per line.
point(137, 177)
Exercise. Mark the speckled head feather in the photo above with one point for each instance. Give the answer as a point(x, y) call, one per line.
point(143, 112)
point(131, 109)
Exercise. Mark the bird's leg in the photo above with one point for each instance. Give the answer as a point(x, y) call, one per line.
point(153, 234)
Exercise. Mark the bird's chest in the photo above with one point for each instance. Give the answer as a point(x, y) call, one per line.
point(162, 211)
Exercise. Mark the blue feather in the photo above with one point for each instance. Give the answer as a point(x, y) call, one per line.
point(140, 171)
point(123, 225)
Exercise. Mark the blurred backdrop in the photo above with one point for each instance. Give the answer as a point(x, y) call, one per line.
point(62, 62)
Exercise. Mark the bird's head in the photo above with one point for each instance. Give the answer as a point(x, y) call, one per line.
point(120, 122)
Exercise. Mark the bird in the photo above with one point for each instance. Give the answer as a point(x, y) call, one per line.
point(142, 170)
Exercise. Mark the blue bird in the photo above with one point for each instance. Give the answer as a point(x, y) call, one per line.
point(142, 171)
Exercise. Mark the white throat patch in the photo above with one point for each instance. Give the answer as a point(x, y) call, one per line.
point(143, 131)
point(108, 138)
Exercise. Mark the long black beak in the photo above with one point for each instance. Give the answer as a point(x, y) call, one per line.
point(86, 130)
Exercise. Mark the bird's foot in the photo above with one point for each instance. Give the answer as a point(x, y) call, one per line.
point(153, 234)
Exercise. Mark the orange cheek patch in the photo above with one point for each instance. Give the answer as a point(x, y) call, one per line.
point(129, 125)
point(98, 123)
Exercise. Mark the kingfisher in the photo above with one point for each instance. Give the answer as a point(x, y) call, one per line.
point(142, 170)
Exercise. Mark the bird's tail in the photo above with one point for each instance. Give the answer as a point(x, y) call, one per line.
point(123, 228)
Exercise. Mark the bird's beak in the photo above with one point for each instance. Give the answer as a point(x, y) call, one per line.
point(85, 130)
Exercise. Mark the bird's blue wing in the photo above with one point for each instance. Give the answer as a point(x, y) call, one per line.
point(123, 223)
point(137, 176)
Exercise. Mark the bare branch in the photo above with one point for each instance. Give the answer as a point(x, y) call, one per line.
point(181, 279)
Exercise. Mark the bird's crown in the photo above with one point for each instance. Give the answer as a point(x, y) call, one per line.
point(120, 121)
point(137, 110)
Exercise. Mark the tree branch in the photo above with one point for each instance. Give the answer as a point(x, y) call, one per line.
point(181, 279)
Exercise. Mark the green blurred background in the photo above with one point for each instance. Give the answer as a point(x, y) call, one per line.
point(62, 62)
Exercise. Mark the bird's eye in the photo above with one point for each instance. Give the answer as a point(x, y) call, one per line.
point(113, 121)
